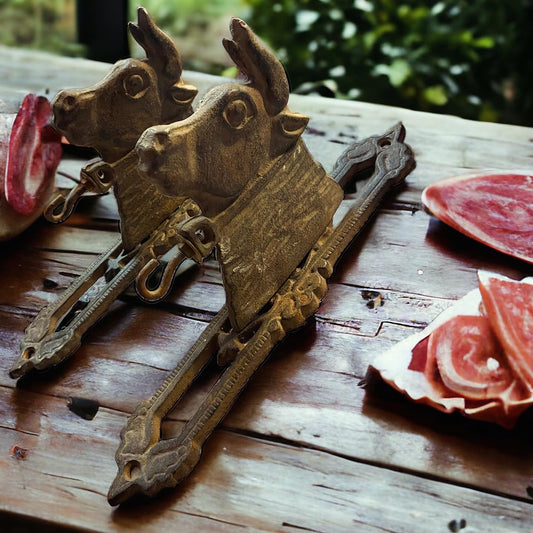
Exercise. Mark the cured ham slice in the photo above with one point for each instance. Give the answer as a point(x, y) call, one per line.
point(494, 208)
point(509, 306)
point(33, 155)
point(30, 151)
point(460, 363)
point(469, 358)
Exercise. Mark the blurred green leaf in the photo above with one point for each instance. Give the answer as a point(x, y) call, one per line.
point(484, 42)
point(399, 71)
point(230, 72)
point(436, 95)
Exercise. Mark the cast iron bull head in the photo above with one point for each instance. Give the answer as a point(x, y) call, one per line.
point(111, 115)
point(265, 200)
point(136, 94)
point(237, 130)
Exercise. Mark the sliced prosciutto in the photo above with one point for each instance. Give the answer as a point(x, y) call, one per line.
point(33, 155)
point(509, 307)
point(476, 357)
point(494, 208)
point(469, 358)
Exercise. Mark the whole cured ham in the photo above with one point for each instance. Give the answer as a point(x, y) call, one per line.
point(476, 357)
point(30, 151)
point(495, 208)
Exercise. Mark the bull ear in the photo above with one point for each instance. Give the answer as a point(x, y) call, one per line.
point(288, 127)
point(184, 94)
point(293, 124)
point(159, 47)
point(259, 65)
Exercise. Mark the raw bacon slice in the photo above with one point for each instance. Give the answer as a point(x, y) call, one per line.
point(440, 368)
point(33, 155)
point(509, 307)
point(469, 358)
point(495, 208)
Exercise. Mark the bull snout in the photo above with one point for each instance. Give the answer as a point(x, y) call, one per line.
point(151, 149)
point(64, 107)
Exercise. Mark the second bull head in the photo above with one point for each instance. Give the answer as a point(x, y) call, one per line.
point(235, 132)
point(111, 115)
point(137, 93)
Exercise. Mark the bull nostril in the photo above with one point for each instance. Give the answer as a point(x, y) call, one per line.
point(68, 102)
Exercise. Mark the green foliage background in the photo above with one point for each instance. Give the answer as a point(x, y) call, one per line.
point(181, 17)
point(41, 24)
point(469, 58)
point(472, 58)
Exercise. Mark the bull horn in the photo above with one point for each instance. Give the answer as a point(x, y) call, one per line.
point(159, 47)
point(259, 65)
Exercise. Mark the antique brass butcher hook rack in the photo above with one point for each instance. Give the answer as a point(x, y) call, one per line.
point(93, 179)
point(250, 191)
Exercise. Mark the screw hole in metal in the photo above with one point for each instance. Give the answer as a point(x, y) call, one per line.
point(28, 352)
point(132, 470)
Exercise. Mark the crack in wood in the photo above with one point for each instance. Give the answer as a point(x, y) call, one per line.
point(300, 528)
point(88, 489)
point(322, 486)
point(374, 526)
point(403, 293)
point(51, 260)
point(219, 520)
point(18, 311)
point(350, 326)
point(66, 251)
point(18, 430)
point(413, 325)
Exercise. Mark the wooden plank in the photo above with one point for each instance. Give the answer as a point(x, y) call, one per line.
point(337, 494)
point(310, 379)
point(419, 255)
point(306, 394)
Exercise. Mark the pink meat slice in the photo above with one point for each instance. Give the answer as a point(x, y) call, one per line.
point(493, 208)
point(33, 155)
point(469, 358)
point(509, 307)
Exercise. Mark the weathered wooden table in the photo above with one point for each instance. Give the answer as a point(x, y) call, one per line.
point(305, 448)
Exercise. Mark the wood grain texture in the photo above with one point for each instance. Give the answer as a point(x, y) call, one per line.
point(305, 448)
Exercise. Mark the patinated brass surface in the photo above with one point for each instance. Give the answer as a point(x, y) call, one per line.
point(57, 330)
point(111, 115)
point(146, 463)
point(240, 157)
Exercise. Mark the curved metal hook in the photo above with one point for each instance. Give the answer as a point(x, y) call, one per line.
point(165, 283)
point(61, 206)
point(196, 240)
point(97, 176)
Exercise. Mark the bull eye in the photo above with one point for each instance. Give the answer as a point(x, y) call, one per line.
point(134, 85)
point(236, 114)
